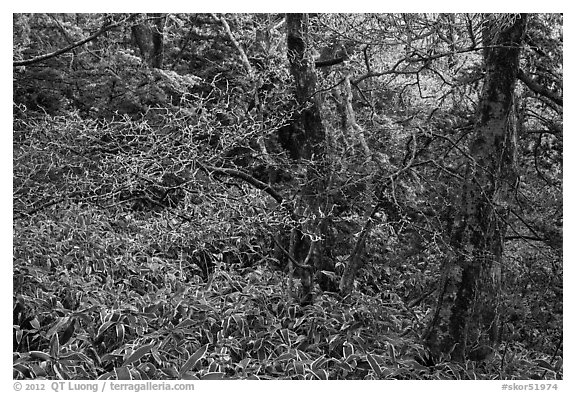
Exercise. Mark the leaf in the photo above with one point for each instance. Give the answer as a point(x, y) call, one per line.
point(411, 363)
point(374, 364)
point(285, 336)
point(301, 355)
point(343, 365)
point(285, 356)
point(347, 349)
point(545, 365)
point(213, 376)
point(137, 354)
point(68, 332)
point(258, 344)
point(54, 329)
point(35, 324)
point(152, 308)
point(320, 374)
point(318, 363)
point(243, 363)
point(39, 370)
point(40, 355)
point(392, 352)
point(55, 346)
point(122, 373)
point(106, 376)
point(299, 367)
point(170, 371)
point(558, 364)
point(60, 372)
point(194, 359)
point(111, 357)
point(120, 332)
point(226, 325)
point(214, 366)
point(75, 356)
point(18, 334)
point(104, 327)
point(185, 323)
point(329, 274)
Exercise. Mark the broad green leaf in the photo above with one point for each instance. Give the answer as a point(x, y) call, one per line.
point(320, 374)
point(285, 336)
point(299, 367)
point(214, 367)
point(319, 363)
point(122, 373)
point(35, 324)
point(170, 371)
point(104, 327)
point(57, 326)
point(558, 364)
point(225, 325)
point(545, 365)
point(374, 364)
point(40, 355)
point(185, 323)
point(194, 359)
point(120, 332)
point(285, 356)
point(55, 346)
point(75, 356)
point(68, 332)
point(347, 350)
point(392, 352)
point(244, 362)
point(138, 353)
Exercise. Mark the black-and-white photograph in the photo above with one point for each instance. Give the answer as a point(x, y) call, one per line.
point(286, 196)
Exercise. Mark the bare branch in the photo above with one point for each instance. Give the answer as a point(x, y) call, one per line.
point(328, 62)
point(247, 178)
point(539, 89)
point(243, 56)
point(107, 26)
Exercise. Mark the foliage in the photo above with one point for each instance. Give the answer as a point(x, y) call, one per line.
point(146, 247)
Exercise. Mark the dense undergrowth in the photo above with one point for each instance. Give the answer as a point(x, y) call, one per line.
point(151, 201)
point(109, 282)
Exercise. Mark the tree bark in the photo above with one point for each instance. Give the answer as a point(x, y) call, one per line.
point(307, 134)
point(157, 53)
point(149, 38)
point(141, 36)
point(306, 140)
point(468, 308)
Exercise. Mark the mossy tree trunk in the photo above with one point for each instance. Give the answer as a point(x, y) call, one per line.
point(468, 308)
point(157, 54)
point(307, 143)
point(308, 132)
point(149, 38)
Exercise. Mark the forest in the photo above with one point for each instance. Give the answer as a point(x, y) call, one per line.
point(287, 196)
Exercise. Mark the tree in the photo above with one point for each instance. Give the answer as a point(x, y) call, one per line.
point(405, 170)
point(307, 134)
point(306, 141)
point(468, 309)
point(149, 37)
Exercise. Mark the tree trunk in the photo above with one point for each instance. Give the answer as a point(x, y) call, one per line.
point(306, 140)
point(468, 308)
point(149, 38)
point(141, 36)
point(307, 134)
point(157, 54)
